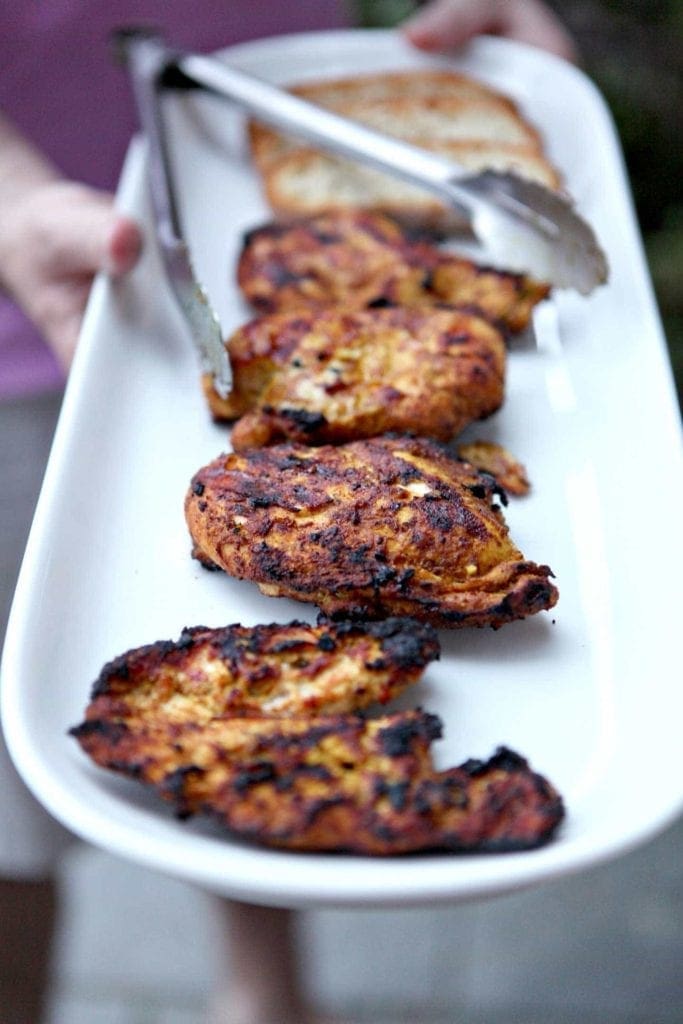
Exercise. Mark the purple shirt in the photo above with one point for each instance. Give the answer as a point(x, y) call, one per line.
point(60, 87)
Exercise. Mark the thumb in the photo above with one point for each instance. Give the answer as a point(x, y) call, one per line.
point(87, 233)
point(124, 245)
point(446, 24)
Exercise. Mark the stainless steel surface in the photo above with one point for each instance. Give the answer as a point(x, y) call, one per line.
point(147, 58)
point(522, 225)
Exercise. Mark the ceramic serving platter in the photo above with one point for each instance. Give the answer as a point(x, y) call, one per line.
point(589, 693)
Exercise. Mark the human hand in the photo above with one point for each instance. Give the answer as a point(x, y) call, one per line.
point(447, 24)
point(54, 239)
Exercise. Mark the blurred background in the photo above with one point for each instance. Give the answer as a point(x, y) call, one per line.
point(633, 51)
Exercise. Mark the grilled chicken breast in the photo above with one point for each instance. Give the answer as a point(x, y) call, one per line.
point(283, 670)
point(385, 526)
point(332, 783)
point(492, 458)
point(215, 723)
point(334, 376)
point(358, 258)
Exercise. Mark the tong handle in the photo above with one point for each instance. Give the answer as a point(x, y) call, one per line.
point(147, 58)
point(515, 219)
point(288, 113)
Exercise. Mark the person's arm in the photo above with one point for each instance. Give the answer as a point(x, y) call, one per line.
point(444, 25)
point(54, 237)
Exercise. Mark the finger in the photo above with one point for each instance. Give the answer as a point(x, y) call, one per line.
point(532, 22)
point(84, 233)
point(124, 246)
point(448, 24)
point(59, 315)
point(64, 338)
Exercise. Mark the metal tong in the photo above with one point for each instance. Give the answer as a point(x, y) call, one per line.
point(147, 60)
point(521, 224)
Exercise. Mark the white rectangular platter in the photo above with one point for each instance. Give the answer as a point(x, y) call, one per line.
point(590, 693)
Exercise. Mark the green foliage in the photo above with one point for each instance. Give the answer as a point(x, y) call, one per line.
point(634, 53)
point(381, 13)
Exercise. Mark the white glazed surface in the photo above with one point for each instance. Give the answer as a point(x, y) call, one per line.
point(588, 692)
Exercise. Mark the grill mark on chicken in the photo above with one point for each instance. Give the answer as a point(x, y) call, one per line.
point(336, 375)
point(258, 727)
point(391, 526)
point(291, 669)
point(333, 786)
point(368, 260)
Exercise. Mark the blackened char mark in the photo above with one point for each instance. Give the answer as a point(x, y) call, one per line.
point(398, 740)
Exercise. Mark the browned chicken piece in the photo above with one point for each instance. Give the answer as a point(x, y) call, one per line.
point(506, 299)
point(258, 350)
point(266, 670)
point(385, 526)
point(341, 258)
point(358, 258)
point(492, 458)
point(329, 783)
point(358, 374)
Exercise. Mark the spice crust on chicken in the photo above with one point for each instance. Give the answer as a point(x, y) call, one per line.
point(243, 747)
point(385, 526)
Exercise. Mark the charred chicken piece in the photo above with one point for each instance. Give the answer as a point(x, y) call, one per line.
point(359, 374)
point(258, 350)
point(265, 670)
point(499, 462)
point(345, 258)
point(329, 783)
point(385, 526)
point(357, 258)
